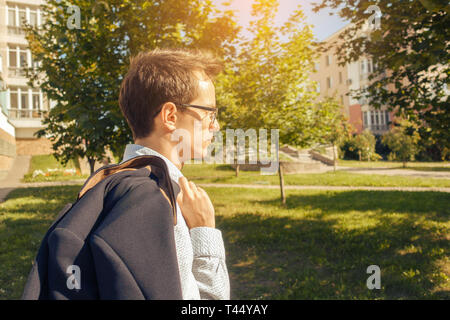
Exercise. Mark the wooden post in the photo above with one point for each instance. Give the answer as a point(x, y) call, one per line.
point(334, 158)
point(280, 173)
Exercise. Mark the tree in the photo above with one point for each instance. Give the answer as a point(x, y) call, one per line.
point(360, 146)
point(365, 143)
point(403, 141)
point(268, 84)
point(81, 67)
point(411, 52)
point(331, 120)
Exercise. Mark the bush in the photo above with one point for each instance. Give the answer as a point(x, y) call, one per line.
point(403, 142)
point(363, 143)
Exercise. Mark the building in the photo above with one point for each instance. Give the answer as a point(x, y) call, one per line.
point(22, 107)
point(338, 81)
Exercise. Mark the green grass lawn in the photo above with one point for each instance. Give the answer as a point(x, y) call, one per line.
point(213, 173)
point(45, 162)
point(316, 247)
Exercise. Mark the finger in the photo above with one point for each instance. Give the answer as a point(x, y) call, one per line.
point(184, 185)
point(193, 187)
point(201, 190)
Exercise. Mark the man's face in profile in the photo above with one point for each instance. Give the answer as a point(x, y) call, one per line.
point(197, 121)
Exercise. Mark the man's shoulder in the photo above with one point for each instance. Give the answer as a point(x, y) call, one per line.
point(132, 188)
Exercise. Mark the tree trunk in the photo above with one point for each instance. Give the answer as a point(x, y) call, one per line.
point(404, 164)
point(91, 164)
point(237, 170)
point(334, 158)
point(76, 163)
point(280, 173)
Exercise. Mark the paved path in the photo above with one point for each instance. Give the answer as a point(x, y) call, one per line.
point(19, 168)
point(399, 172)
point(295, 187)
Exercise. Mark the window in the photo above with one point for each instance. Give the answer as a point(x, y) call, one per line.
point(386, 113)
point(36, 99)
point(318, 87)
point(14, 101)
point(340, 77)
point(371, 118)
point(377, 120)
point(369, 66)
point(12, 58)
point(365, 118)
point(328, 60)
point(329, 82)
point(21, 100)
point(20, 52)
point(33, 18)
point(23, 58)
point(12, 17)
point(22, 17)
point(24, 99)
point(363, 66)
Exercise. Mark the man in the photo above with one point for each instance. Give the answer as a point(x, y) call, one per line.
point(167, 94)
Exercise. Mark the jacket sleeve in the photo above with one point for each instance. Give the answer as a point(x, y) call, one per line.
point(134, 248)
point(209, 267)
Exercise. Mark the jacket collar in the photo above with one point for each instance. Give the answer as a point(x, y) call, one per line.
point(153, 165)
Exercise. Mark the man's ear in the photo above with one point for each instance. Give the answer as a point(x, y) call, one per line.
point(168, 116)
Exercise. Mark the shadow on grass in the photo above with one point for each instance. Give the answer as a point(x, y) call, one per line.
point(322, 254)
point(325, 255)
point(24, 218)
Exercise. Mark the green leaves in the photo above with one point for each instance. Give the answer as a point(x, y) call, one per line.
point(268, 86)
point(84, 67)
point(411, 43)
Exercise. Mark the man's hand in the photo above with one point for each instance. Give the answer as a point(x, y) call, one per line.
point(195, 205)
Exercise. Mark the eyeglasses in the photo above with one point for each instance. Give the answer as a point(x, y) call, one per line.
point(212, 114)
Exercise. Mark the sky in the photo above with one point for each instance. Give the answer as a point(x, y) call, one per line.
point(324, 25)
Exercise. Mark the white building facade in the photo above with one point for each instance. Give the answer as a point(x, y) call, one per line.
point(23, 106)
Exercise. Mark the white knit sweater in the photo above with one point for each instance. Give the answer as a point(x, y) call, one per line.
point(200, 251)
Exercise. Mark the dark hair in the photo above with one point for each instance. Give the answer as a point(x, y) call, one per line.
point(159, 76)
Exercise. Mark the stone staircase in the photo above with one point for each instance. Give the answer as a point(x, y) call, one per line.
point(305, 160)
point(296, 155)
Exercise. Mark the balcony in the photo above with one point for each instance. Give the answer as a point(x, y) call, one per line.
point(377, 128)
point(15, 72)
point(13, 30)
point(26, 114)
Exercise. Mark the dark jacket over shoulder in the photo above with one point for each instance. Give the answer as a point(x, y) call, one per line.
point(117, 238)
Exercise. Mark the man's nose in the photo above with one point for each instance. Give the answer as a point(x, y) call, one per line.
point(215, 126)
